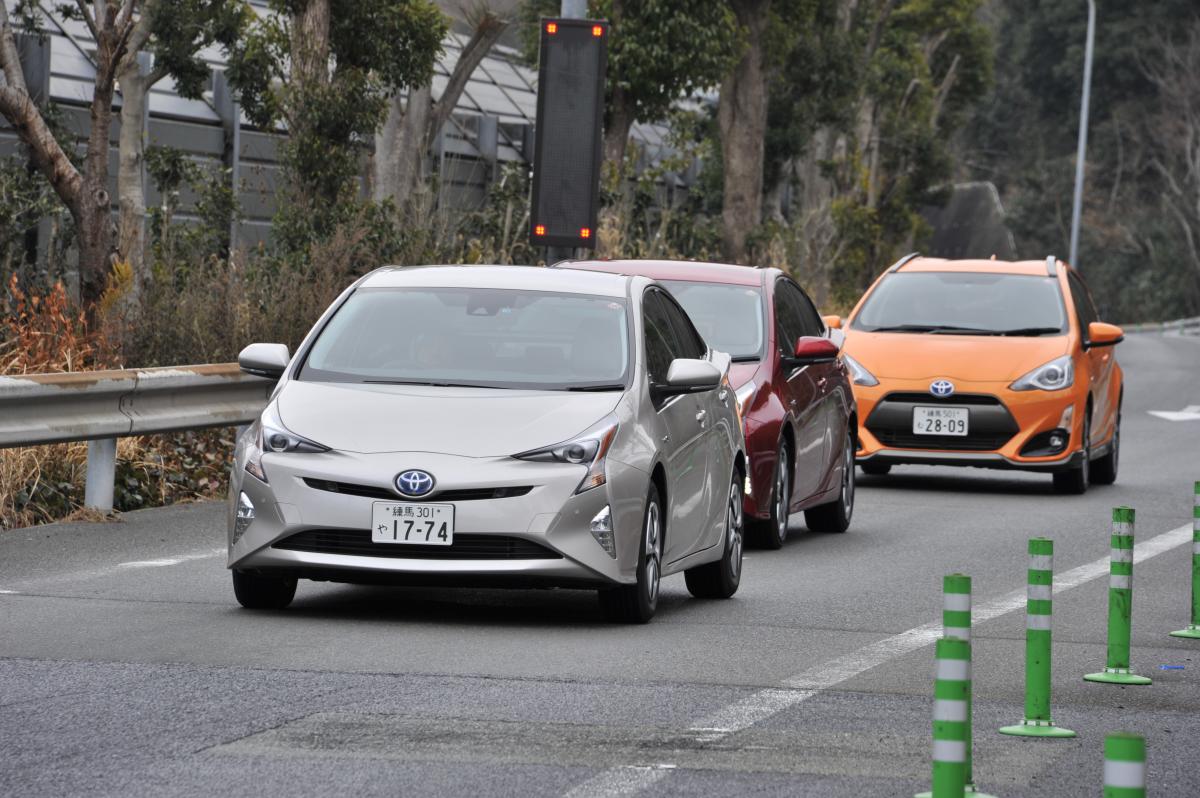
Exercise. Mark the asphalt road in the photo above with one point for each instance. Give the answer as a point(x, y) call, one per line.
point(126, 667)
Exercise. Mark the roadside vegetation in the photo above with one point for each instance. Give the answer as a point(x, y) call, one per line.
point(850, 118)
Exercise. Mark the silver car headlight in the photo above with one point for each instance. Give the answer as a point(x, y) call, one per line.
point(272, 436)
point(590, 448)
point(858, 374)
point(1053, 376)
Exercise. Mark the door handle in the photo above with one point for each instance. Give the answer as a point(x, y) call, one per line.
point(821, 382)
point(703, 414)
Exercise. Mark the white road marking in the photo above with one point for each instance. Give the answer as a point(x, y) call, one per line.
point(619, 781)
point(765, 703)
point(97, 573)
point(8, 592)
point(1189, 413)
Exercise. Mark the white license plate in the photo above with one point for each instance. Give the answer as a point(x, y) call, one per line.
point(940, 420)
point(423, 524)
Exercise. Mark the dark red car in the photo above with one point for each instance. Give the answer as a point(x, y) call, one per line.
point(796, 404)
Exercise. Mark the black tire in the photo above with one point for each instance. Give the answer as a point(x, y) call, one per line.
point(1074, 482)
point(772, 532)
point(258, 592)
point(875, 469)
point(636, 603)
point(720, 579)
point(835, 516)
point(1104, 470)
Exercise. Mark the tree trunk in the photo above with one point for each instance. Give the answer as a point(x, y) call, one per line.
point(410, 131)
point(131, 193)
point(400, 148)
point(616, 135)
point(742, 118)
point(310, 43)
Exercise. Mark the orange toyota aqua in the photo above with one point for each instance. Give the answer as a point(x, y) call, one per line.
point(985, 363)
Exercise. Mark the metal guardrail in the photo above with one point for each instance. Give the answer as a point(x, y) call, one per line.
point(1179, 326)
point(101, 406)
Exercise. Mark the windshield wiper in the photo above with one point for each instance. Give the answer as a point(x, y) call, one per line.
point(1032, 331)
point(936, 329)
point(616, 386)
point(431, 383)
point(744, 359)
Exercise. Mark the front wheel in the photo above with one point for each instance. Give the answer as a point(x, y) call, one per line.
point(720, 579)
point(835, 516)
point(1075, 481)
point(258, 592)
point(1104, 470)
point(771, 533)
point(636, 603)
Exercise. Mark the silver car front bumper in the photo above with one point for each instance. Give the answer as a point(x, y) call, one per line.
point(550, 514)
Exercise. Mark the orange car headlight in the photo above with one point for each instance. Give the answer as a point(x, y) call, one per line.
point(858, 374)
point(1053, 376)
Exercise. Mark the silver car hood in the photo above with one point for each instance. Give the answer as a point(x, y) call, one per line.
point(470, 422)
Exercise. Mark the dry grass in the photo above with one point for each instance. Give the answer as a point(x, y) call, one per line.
point(40, 484)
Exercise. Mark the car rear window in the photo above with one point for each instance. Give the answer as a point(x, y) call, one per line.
point(980, 303)
point(729, 317)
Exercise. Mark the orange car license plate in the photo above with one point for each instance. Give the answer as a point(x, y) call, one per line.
point(940, 420)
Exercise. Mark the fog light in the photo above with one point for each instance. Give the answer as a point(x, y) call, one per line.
point(602, 531)
point(243, 517)
point(1057, 441)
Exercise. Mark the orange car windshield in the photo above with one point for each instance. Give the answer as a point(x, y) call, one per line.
point(964, 303)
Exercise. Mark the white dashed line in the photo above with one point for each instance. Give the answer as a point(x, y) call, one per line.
point(763, 704)
point(97, 573)
point(619, 781)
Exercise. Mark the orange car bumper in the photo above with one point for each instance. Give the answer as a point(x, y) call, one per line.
point(1006, 428)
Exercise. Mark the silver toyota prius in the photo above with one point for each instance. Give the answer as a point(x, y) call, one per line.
point(492, 425)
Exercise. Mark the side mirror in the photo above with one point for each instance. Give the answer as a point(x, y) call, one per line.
point(811, 349)
point(832, 322)
point(1101, 334)
point(692, 376)
point(264, 360)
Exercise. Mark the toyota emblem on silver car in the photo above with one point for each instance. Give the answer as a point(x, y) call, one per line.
point(414, 482)
point(942, 388)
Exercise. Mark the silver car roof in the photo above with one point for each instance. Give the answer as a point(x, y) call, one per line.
point(536, 278)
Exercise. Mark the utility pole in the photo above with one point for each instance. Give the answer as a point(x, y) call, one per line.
point(1081, 155)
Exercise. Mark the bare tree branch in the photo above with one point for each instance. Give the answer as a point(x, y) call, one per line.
point(44, 150)
point(9, 57)
point(88, 18)
point(488, 28)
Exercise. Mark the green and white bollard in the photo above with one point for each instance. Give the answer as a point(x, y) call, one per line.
point(1124, 766)
point(956, 624)
point(951, 717)
point(1193, 630)
point(1038, 614)
point(1120, 604)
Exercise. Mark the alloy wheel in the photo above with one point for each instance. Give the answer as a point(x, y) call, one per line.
point(733, 527)
point(782, 487)
point(653, 551)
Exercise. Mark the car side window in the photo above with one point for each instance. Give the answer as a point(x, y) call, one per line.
point(789, 317)
point(808, 312)
point(1084, 308)
point(661, 346)
point(691, 343)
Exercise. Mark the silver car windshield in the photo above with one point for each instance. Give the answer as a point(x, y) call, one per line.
point(478, 337)
point(729, 317)
point(964, 303)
